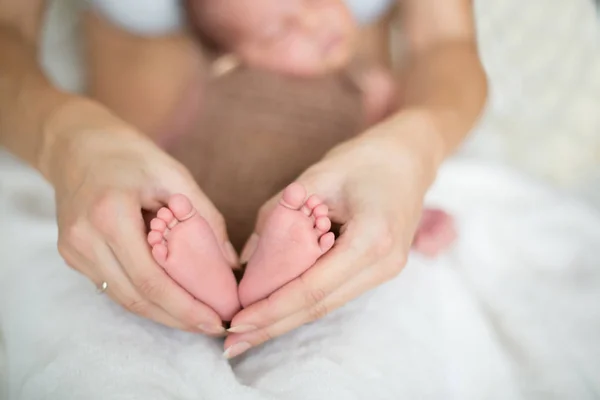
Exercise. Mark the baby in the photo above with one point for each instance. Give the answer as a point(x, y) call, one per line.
point(298, 37)
point(295, 37)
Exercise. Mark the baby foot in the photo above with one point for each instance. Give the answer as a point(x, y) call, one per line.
point(295, 235)
point(435, 233)
point(185, 246)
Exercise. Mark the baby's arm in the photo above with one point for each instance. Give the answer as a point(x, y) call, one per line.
point(380, 94)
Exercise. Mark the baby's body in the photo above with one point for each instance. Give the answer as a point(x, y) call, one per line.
point(296, 233)
point(257, 132)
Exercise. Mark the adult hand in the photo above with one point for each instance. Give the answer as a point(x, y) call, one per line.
point(105, 173)
point(374, 186)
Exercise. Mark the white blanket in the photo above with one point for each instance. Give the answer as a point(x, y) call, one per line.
point(511, 312)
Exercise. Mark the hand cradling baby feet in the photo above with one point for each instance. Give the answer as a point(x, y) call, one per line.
point(185, 246)
point(302, 37)
point(295, 235)
point(289, 37)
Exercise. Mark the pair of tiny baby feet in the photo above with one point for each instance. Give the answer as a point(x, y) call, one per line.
point(295, 235)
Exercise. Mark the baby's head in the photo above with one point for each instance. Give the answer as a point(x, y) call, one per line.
point(294, 36)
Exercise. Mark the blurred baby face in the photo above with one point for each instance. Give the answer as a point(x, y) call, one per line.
point(294, 36)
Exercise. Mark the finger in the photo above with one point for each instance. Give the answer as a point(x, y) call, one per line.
point(265, 211)
point(129, 245)
point(252, 242)
point(366, 280)
point(345, 260)
point(121, 290)
point(249, 248)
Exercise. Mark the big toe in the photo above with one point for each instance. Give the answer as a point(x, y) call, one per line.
point(293, 196)
point(181, 207)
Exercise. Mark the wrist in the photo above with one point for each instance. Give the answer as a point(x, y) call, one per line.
point(416, 134)
point(66, 125)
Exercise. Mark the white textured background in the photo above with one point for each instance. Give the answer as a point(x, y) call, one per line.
point(543, 60)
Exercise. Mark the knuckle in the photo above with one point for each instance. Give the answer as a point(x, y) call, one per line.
point(317, 312)
point(383, 246)
point(393, 268)
point(382, 242)
point(150, 286)
point(265, 335)
point(188, 314)
point(103, 211)
point(181, 172)
point(315, 296)
point(68, 257)
point(63, 248)
point(138, 306)
point(73, 236)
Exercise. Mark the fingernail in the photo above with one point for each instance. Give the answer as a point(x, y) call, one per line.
point(249, 248)
point(236, 350)
point(242, 329)
point(212, 329)
point(230, 254)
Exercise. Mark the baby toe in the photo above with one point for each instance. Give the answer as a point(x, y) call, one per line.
point(321, 211)
point(322, 224)
point(293, 196)
point(313, 201)
point(158, 224)
point(326, 242)
point(166, 215)
point(159, 252)
point(181, 207)
point(155, 237)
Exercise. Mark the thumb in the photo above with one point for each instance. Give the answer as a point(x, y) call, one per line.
point(252, 243)
point(217, 223)
point(214, 218)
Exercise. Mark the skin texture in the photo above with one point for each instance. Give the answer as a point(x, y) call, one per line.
point(295, 36)
point(268, 34)
point(444, 93)
point(185, 246)
point(411, 140)
point(444, 90)
point(272, 128)
point(46, 127)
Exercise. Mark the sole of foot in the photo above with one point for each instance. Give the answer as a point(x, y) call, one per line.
point(185, 246)
point(295, 235)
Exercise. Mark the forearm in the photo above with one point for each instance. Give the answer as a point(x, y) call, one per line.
point(123, 67)
point(26, 97)
point(447, 84)
point(35, 115)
